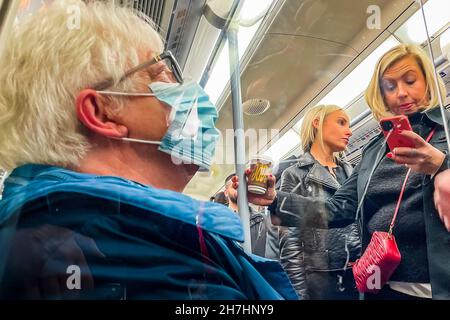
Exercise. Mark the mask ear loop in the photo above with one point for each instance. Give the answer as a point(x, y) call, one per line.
point(127, 94)
point(131, 94)
point(139, 140)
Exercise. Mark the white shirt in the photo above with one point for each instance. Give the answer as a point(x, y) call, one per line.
point(421, 290)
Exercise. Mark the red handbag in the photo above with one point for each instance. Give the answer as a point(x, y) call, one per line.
point(377, 264)
point(381, 257)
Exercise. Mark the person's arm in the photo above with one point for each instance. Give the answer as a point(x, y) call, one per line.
point(289, 181)
point(291, 250)
point(442, 197)
point(40, 261)
point(295, 210)
point(106, 241)
point(337, 211)
point(291, 259)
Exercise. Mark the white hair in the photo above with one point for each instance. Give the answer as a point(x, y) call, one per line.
point(46, 63)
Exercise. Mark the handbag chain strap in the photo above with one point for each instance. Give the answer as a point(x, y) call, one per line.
point(391, 226)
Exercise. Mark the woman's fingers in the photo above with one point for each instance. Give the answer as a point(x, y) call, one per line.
point(407, 152)
point(425, 159)
point(411, 135)
point(405, 160)
point(408, 156)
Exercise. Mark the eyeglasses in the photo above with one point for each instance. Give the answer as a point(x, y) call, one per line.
point(167, 56)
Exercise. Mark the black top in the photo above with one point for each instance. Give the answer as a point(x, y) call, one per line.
point(339, 174)
point(409, 228)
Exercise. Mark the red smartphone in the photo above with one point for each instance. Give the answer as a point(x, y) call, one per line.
point(391, 127)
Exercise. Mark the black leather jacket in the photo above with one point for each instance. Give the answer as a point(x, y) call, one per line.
point(315, 259)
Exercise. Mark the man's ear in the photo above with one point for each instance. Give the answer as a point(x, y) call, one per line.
point(91, 111)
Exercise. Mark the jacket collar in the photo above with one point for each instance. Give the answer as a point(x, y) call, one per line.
point(318, 173)
point(306, 159)
point(31, 182)
point(435, 115)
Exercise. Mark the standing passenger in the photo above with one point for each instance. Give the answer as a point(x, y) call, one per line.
point(258, 220)
point(316, 258)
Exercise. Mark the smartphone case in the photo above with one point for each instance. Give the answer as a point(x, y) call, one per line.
point(394, 139)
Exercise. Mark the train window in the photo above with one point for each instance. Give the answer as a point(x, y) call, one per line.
point(437, 15)
point(251, 15)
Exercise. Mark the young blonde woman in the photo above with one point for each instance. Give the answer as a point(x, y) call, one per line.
point(316, 259)
point(403, 83)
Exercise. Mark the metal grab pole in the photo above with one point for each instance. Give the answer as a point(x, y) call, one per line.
point(436, 77)
point(239, 137)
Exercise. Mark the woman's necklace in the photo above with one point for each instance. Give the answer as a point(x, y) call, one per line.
point(330, 169)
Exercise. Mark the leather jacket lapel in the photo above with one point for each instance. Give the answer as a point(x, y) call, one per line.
point(317, 173)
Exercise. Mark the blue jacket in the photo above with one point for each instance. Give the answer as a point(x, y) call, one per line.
point(152, 240)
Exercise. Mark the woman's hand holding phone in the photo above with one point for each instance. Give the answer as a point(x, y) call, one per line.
point(409, 148)
point(422, 157)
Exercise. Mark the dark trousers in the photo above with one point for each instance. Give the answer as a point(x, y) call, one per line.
point(331, 285)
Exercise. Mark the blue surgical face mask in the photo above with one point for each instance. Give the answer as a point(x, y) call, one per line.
point(191, 136)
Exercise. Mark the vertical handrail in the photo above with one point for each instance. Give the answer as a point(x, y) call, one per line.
point(239, 137)
point(436, 77)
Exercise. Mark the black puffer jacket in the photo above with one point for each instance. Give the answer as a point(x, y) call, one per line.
point(315, 259)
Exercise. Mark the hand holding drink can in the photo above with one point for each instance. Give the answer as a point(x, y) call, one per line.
point(260, 167)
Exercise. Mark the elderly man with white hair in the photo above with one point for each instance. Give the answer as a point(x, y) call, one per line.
point(101, 133)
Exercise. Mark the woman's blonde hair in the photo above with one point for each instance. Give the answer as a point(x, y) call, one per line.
point(309, 134)
point(374, 94)
point(50, 57)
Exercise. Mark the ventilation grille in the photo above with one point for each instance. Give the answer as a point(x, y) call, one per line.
point(361, 136)
point(152, 8)
point(254, 107)
point(355, 160)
